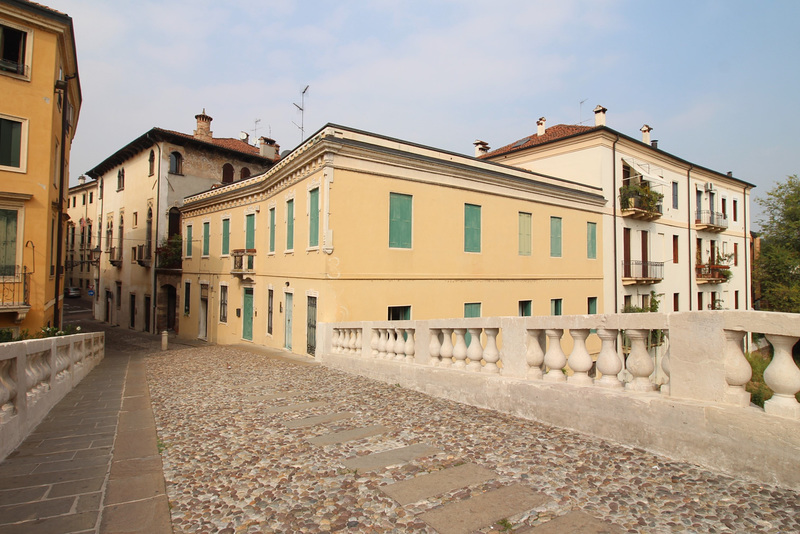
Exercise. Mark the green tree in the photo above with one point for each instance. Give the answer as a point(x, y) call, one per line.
point(778, 264)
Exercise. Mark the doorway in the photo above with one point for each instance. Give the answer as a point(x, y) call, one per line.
point(288, 322)
point(202, 329)
point(247, 311)
point(147, 313)
point(311, 330)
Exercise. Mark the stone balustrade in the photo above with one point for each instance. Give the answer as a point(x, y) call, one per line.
point(35, 375)
point(600, 374)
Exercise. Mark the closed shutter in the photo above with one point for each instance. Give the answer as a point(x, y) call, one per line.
point(313, 218)
point(524, 234)
point(555, 237)
point(226, 233)
point(400, 220)
point(472, 228)
point(290, 225)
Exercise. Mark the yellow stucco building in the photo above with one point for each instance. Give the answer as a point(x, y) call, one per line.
point(39, 108)
point(356, 226)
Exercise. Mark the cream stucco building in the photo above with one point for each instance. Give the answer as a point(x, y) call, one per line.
point(356, 226)
point(80, 236)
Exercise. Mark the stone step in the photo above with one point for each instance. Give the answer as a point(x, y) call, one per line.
point(574, 523)
point(318, 419)
point(467, 516)
point(383, 459)
point(293, 407)
point(348, 435)
point(430, 485)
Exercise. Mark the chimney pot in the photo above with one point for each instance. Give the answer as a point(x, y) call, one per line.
point(244, 136)
point(600, 116)
point(481, 148)
point(646, 133)
point(203, 130)
point(730, 173)
point(654, 143)
point(541, 126)
point(268, 148)
point(81, 180)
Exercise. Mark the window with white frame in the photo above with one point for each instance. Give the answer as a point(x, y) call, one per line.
point(14, 50)
point(13, 143)
point(223, 303)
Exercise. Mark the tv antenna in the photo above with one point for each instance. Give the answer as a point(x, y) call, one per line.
point(580, 111)
point(255, 128)
point(302, 108)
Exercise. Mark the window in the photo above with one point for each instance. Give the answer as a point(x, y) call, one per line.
point(400, 220)
point(724, 207)
point(12, 138)
point(83, 202)
point(91, 197)
point(13, 50)
point(269, 311)
point(591, 240)
point(175, 163)
point(100, 190)
point(121, 234)
point(627, 302)
point(675, 249)
point(189, 241)
point(8, 241)
point(244, 173)
point(152, 162)
point(119, 295)
point(735, 254)
point(290, 225)
point(227, 173)
point(133, 254)
point(313, 218)
point(591, 305)
point(223, 304)
point(148, 239)
point(699, 301)
point(524, 234)
point(735, 210)
point(555, 306)
point(675, 195)
point(736, 300)
point(525, 308)
point(187, 294)
point(135, 219)
point(250, 236)
point(226, 237)
point(472, 228)
point(272, 229)
point(675, 301)
point(399, 313)
point(206, 237)
point(120, 179)
point(74, 199)
point(555, 237)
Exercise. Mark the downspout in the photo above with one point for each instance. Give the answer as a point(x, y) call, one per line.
point(154, 303)
point(746, 250)
point(60, 232)
point(614, 215)
point(689, 229)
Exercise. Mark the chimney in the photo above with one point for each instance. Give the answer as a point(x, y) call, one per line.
point(646, 134)
point(600, 116)
point(730, 174)
point(268, 148)
point(203, 130)
point(654, 143)
point(540, 126)
point(81, 180)
point(244, 136)
point(481, 148)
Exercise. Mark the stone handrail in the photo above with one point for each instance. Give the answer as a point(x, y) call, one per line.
point(35, 375)
point(695, 380)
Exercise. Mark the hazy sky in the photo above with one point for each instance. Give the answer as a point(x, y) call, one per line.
point(717, 80)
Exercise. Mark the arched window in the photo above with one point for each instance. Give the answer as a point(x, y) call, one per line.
point(174, 222)
point(152, 162)
point(227, 173)
point(120, 179)
point(175, 163)
point(149, 238)
point(121, 231)
point(109, 234)
point(244, 173)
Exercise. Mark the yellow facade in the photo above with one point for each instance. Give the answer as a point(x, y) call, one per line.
point(38, 51)
point(353, 272)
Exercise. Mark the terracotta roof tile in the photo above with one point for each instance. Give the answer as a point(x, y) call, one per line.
point(552, 133)
point(227, 143)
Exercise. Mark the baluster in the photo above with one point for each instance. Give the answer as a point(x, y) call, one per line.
point(359, 341)
point(390, 343)
point(665, 366)
point(434, 347)
point(555, 358)
point(8, 391)
point(336, 341)
point(447, 347)
point(373, 344)
point(47, 370)
point(640, 363)
point(410, 347)
point(579, 359)
point(608, 362)
point(399, 345)
point(382, 343)
point(783, 377)
point(737, 369)
point(534, 356)
point(31, 375)
point(460, 349)
point(475, 350)
point(491, 354)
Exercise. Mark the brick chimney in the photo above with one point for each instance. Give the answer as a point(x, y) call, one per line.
point(268, 148)
point(646, 134)
point(203, 130)
point(540, 126)
point(600, 116)
point(481, 148)
point(81, 180)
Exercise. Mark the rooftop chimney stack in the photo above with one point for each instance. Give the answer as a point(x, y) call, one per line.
point(81, 180)
point(654, 143)
point(541, 126)
point(646, 134)
point(268, 148)
point(481, 148)
point(600, 116)
point(203, 130)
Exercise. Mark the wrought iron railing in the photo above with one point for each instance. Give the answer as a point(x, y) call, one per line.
point(711, 218)
point(14, 286)
point(643, 269)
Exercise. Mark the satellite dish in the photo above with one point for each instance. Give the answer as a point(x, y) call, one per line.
point(285, 153)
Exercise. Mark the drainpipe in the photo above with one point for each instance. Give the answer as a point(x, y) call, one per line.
point(746, 250)
point(157, 210)
point(689, 229)
point(60, 233)
point(614, 215)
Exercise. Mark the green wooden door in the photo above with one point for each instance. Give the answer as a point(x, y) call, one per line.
point(247, 312)
point(250, 237)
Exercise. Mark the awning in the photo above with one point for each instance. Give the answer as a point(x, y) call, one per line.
point(646, 172)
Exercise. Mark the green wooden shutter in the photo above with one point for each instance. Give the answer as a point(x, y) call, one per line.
point(290, 225)
point(525, 308)
point(592, 305)
point(591, 240)
point(272, 230)
point(524, 234)
point(472, 228)
point(471, 309)
point(250, 231)
point(313, 218)
point(400, 220)
point(555, 237)
point(206, 237)
point(555, 306)
point(189, 241)
point(226, 236)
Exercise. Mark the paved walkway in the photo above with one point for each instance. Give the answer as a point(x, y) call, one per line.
point(253, 440)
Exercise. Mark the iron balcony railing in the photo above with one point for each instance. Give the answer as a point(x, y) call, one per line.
point(144, 254)
point(14, 286)
point(115, 256)
point(643, 270)
point(711, 218)
point(712, 272)
point(243, 260)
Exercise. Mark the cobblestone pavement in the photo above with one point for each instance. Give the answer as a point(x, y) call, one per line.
point(233, 465)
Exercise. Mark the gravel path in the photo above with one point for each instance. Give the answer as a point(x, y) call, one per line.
point(232, 465)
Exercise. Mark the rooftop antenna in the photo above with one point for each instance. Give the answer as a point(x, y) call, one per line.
point(580, 111)
point(302, 109)
point(255, 128)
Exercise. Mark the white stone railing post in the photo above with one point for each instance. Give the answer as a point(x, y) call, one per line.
point(554, 358)
point(359, 341)
point(434, 347)
point(640, 364)
point(608, 362)
point(390, 343)
point(534, 355)
point(8, 389)
point(491, 354)
point(475, 350)
point(410, 345)
point(579, 359)
point(665, 365)
point(737, 369)
point(460, 349)
point(373, 344)
point(446, 351)
point(783, 378)
point(399, 345)
point(382, 343)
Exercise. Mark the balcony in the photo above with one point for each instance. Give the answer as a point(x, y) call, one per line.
point(15, 291)
point(711, 221)
point(712, 274)
point(115, 256)
point(243, 261)
point(640, 202)
point(144, 255)
point(637, 272)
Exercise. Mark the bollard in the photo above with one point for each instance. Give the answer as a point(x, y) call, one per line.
point(164, 340)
